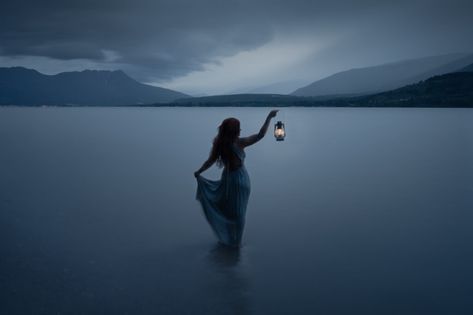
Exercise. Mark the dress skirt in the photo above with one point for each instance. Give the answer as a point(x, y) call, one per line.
point(224, 203)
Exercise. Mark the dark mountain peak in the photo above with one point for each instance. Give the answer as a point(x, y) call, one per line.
point(98, 77)
point(92, 72)
point(18, 70)
point(120, 74)
point(87, 72)
point(22, 86)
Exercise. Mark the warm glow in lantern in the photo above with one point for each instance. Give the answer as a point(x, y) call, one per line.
point(279, 132)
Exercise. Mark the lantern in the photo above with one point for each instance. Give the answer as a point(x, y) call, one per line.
point(279, 132)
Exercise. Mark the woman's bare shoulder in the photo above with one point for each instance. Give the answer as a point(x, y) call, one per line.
point(241, 142)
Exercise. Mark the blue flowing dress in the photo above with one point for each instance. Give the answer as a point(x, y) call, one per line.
point(224, 201)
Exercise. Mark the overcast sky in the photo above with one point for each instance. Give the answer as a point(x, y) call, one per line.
point(216, 46)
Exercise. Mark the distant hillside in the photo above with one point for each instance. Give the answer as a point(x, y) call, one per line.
point(385, 77)
point(448, 90)
point(250, 100)
point(239, 100)
point(283, 87)
point(21, 86)
point(468, 68)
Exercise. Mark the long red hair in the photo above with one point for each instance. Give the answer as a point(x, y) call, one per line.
point(228, 132)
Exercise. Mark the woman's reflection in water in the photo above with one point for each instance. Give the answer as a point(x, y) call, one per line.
point(231, 285)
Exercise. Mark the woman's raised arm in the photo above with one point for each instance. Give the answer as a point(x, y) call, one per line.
point(247, 141)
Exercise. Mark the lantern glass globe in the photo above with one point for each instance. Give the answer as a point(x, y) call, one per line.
point(279, 131)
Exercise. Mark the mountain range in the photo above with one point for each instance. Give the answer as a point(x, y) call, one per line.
point(448, 90)
point(432, 81)
point(21, 86)
point(384, 77)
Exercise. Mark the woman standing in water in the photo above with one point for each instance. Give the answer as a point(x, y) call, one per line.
point(224, 201)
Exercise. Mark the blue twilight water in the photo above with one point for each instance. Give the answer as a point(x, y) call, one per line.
point(358, 211)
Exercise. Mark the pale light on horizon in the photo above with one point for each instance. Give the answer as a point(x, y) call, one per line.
point(268, 64)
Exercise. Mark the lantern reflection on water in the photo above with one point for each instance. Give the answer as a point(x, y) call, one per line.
point(279, 131)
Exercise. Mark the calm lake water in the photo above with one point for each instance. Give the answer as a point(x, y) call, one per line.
point(358, 211)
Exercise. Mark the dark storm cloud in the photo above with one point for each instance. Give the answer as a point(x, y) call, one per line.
point(165, 39)
point(169, 38)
